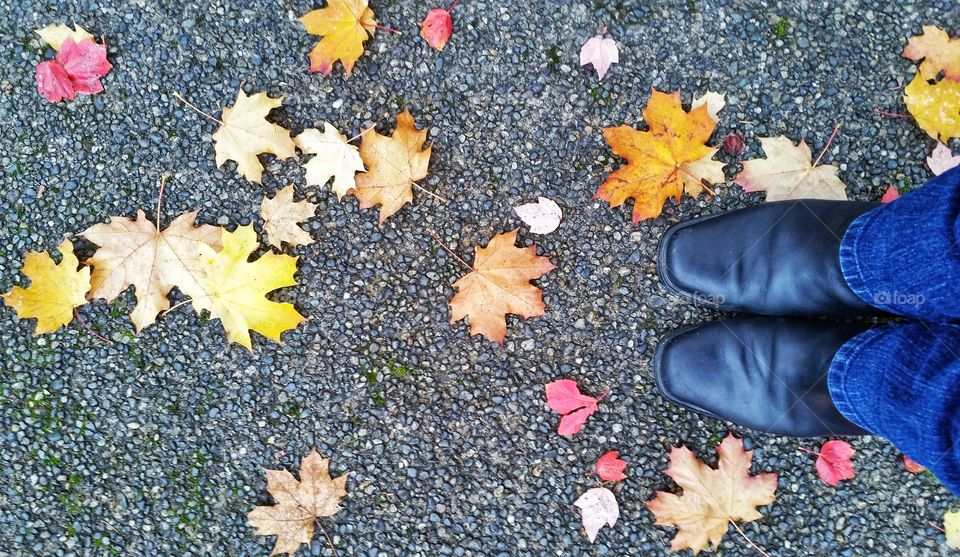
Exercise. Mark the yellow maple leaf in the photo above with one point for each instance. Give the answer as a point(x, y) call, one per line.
point(936, 107)
point(394, 164)
point(54, 289)
point(500, 284)
point(665, 160)
point(54, 35)
point(712, 498)
point(937, 50)
point(245, 132)
point(344, 25)
point(951, 525)
point(299, 503)
point(234, 289)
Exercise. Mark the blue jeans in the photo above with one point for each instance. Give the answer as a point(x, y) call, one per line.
point(902, 380)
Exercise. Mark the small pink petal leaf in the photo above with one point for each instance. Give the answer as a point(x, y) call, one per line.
point(53, 82)
point(543, 217)
point(912, 466)
point(610, 468)
point(85, 63)
point(890, 195)
point(835, 462)
point(601, 53)
point(437, 27)
point(564, 397)
point(598, 508)
point(942, 159)
point(572, 422)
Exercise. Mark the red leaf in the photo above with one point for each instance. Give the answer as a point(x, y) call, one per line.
point(564, 397)
point(53, 82)
point(912, 466)
point(85, 63)
point(890, 195)
point(610, 468)
point(437, 28)
point(834, 462)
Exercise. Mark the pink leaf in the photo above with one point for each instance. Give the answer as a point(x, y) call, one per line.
point(543, 217)
point(610, 468)
point(834, 462)
point(437, 28)
point(890, 195)
point(912, 466)
point(601, 53)
point(53, 82)
point(942, 159)
point(564, 397)
point(598, 508)
point(85, 63)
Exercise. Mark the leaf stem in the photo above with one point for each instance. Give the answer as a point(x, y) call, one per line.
point(428, 192)
point(183, 303)
point(361, 134)
point(324, 530)
point(453, 5)
point(89, 330)
point(893, 114)
point(193, 106)
point(827, 146)
point(391, 29)
point(806, 450)
point(450, 251)
point(163, 183)
point(755, 546)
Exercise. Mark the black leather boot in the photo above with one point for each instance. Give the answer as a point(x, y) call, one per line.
point(764, 373)
point(780, 258)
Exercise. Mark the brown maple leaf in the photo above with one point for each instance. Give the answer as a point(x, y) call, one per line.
point(500, 284)
point(299, 503)
point(712, 498)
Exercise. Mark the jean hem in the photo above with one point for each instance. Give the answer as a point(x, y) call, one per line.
point(845, 392)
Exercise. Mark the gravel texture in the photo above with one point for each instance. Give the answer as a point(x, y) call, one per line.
point(154, 445)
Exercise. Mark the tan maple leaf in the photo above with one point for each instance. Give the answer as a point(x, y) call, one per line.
point(281, 216)
point(937, 50)
point(299, 504)
point(335, 158)
point(245, 132)
point(712, 498)
point(135, 252)
point(500, 284)
point(394, 164)
point(788, 173)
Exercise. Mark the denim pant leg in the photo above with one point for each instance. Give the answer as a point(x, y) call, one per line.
point(904, 257)
point(902, 381)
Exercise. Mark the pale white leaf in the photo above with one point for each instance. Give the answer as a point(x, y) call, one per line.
point(601, 53)
point(598, 508)
point(942, 159)
point(543, 217)
point(54, 35)
point(714, 101)
point(334, 158)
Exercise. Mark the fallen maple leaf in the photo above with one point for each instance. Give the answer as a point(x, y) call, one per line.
point(712, 498)
point(937, 50)
point(714, 101)
point(335, 158)
point(610, 467)
point(77, 68)
point(564, 398)
point(787, 173)
point(834, 462)
point(437, 26)
point(942, 159)
point(245, 132)
point(663, 162)
point(600, 52)
point(598, 508)
point(543, 217)
point(135, 252)
point(912, 466)
point(936, 107)
point(299, 504)
point(891, 194)
point(54, 290)
point(281, 216)
point(394, 164)
point(55, 34)
point(951, 526)
point(498, 284)
point(344, 25)
point(233, 289)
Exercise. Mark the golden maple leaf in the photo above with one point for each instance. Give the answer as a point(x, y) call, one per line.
point(344, 25)
point(245, 132)
point(665, 160)
point(937, 50)
point(394, 164)
point(234, 289)
point(134, 252)
point(299, 503)
point(500, 284)
point(936, 107)
point(281, 216)
point(54, 290)
point(712, 498)
point(788, 173)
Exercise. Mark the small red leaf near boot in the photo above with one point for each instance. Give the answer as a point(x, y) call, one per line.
point(912, 466)
point(834, 462)
point(610, 468)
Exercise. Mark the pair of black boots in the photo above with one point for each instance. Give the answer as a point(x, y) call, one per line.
point(776, 259)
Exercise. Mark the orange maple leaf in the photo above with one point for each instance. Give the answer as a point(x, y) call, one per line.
point(394, 164)
point(344, 25)
point(498, 285)
point(937, 50)
point(712, 498)
point(663, 161)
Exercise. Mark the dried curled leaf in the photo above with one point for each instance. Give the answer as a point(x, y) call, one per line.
point(298, 503)
point(54, 290)
point(936, 107)
point(281, 218)
point(245, 133)
point(788, 173)
point(344, 25)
